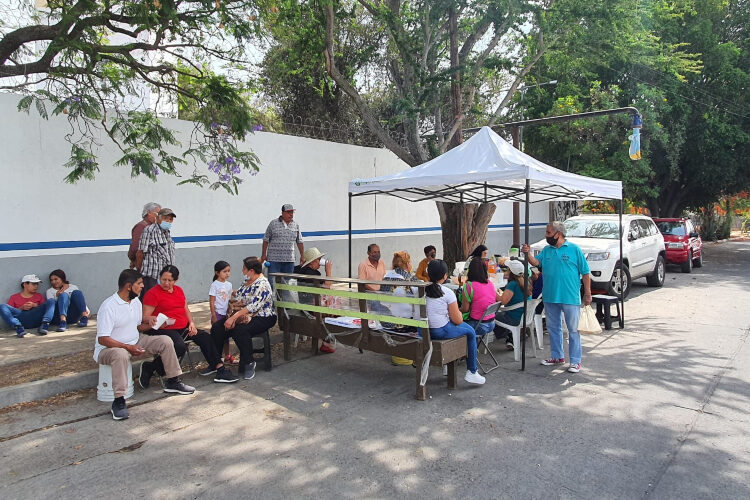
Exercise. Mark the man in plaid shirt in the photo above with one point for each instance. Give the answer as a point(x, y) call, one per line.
point(156, 249)
point(278, 242)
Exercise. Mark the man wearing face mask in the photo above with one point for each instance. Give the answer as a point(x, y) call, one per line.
point(117, 340)
point(156, 249)
point(564, 266)
point(429, 255)
point(148, 217)
point(372, 268)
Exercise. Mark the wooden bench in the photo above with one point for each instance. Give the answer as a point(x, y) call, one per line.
point(309, 319)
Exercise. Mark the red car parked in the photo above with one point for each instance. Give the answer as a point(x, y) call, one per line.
point(682, 242)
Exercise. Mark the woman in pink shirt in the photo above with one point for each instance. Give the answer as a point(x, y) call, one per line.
point(29, 308)
point(476, 295)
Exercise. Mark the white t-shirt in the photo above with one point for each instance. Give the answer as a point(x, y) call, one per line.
point(222, 292)
point(52, 292)
point(437, 309)
point(118, 319)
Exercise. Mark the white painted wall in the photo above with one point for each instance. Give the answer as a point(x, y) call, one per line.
point(37, 206)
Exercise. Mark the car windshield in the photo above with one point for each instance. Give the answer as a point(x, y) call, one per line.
point(672, 228)
point(591, 228)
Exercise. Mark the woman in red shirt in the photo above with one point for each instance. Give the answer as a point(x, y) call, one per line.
point(167, 298)
point(29, 308)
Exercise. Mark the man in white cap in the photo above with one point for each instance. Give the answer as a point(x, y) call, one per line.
point(281, 236)
point(28, 309)
point(156, 249)
point(311, 261)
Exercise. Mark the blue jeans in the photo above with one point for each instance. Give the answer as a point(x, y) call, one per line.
point(29, 319)
point(451, 331)
point(278, 267)
point(572, 314)
point(72, 306)
point(482, 328)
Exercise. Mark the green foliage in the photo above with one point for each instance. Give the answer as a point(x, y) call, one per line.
point(92, 61)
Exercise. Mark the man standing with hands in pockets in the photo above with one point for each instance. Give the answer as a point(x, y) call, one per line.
point(564, 266)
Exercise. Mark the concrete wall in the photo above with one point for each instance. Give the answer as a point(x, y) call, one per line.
point(85, 228)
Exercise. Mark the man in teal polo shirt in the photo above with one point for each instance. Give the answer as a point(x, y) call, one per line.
point(564, 266)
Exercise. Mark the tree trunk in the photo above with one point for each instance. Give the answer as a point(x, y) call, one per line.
point(464, 227)
point(562, 210)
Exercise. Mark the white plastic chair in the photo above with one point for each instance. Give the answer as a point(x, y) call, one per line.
point(516, 329)
point(539, 325)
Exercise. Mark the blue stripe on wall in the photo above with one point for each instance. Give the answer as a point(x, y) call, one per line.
point(46, 245)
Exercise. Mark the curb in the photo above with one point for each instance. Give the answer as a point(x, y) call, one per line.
point(46, 388)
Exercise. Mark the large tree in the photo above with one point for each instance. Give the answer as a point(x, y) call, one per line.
point(112, 66)
point(693, 95)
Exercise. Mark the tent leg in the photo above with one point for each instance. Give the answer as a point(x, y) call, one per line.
point(622, 296)
point(526, 277)
point(350, 235)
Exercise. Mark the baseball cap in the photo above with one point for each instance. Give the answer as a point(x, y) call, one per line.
point(286, 207)
point(31, 278)
point(166, 211)
point(515, 266)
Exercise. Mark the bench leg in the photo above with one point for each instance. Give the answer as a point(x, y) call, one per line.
point(287, 343)
point(452, 375)
point(314, 344)
point(267, 363)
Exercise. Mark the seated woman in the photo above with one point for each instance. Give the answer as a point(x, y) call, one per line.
point(401, 271)
point(479, 253)
point(311, 267)
point(70, 305)
point(28, 309)
point(256, 316)
point(445, 320)
point(167, 298)
point(476, 295)
point(512, 295)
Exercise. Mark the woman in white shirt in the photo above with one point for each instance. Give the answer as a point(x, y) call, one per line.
point(70, 305)
point(445, 320)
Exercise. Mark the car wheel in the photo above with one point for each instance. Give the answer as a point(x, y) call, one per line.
point(699, 261)
point(616, 283)
point(657, 277)
point(687, 266)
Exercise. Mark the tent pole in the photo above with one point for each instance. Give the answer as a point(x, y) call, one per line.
point(461, 226)
point(622, 295)
point(350, 235)
point(525, 278)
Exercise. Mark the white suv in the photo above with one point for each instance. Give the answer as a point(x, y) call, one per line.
point(643, 252)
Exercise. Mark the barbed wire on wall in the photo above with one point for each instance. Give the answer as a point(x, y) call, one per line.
point(327, 130)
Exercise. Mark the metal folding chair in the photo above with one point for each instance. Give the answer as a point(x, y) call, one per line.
point(482, 341)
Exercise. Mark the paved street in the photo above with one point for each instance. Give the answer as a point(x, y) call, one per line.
point(660, 411)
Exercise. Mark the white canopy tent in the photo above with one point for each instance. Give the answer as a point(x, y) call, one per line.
point(487, 169)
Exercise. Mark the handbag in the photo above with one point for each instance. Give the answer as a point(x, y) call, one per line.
point(236, 306)
point(588, 323)
point(469, 298)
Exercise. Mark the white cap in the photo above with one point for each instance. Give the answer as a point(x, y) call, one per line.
point(31, 278)
point(515, 266)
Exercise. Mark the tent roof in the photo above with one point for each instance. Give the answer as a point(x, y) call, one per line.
point(486, 168)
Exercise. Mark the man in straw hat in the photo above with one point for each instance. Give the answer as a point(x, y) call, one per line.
point(311, 262)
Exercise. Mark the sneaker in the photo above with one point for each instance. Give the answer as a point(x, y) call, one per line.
point(553, 361)
point(84, 321)
point(474, 378)
point(63, 326)
point(207, 371)
point(249, 371)
point(175, 385)
point(225, 376)
point(119, 409)
point(43, 328)
point(574, 368)
point(509, 346)
point(147, 371)
point(20, 332)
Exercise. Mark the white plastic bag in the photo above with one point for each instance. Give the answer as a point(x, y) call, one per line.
point(588, 322)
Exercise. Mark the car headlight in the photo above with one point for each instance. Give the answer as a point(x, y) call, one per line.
point(676, 245)
point(597, 256)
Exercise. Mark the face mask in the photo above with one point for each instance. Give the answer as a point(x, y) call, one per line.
point(432, 255)
point(165, 225)
point(552, 240)
point(132, 294)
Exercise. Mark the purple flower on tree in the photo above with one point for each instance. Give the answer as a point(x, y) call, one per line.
point(257, 128)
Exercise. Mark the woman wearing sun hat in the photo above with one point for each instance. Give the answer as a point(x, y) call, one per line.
point(311, 260)
point(512, 295)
